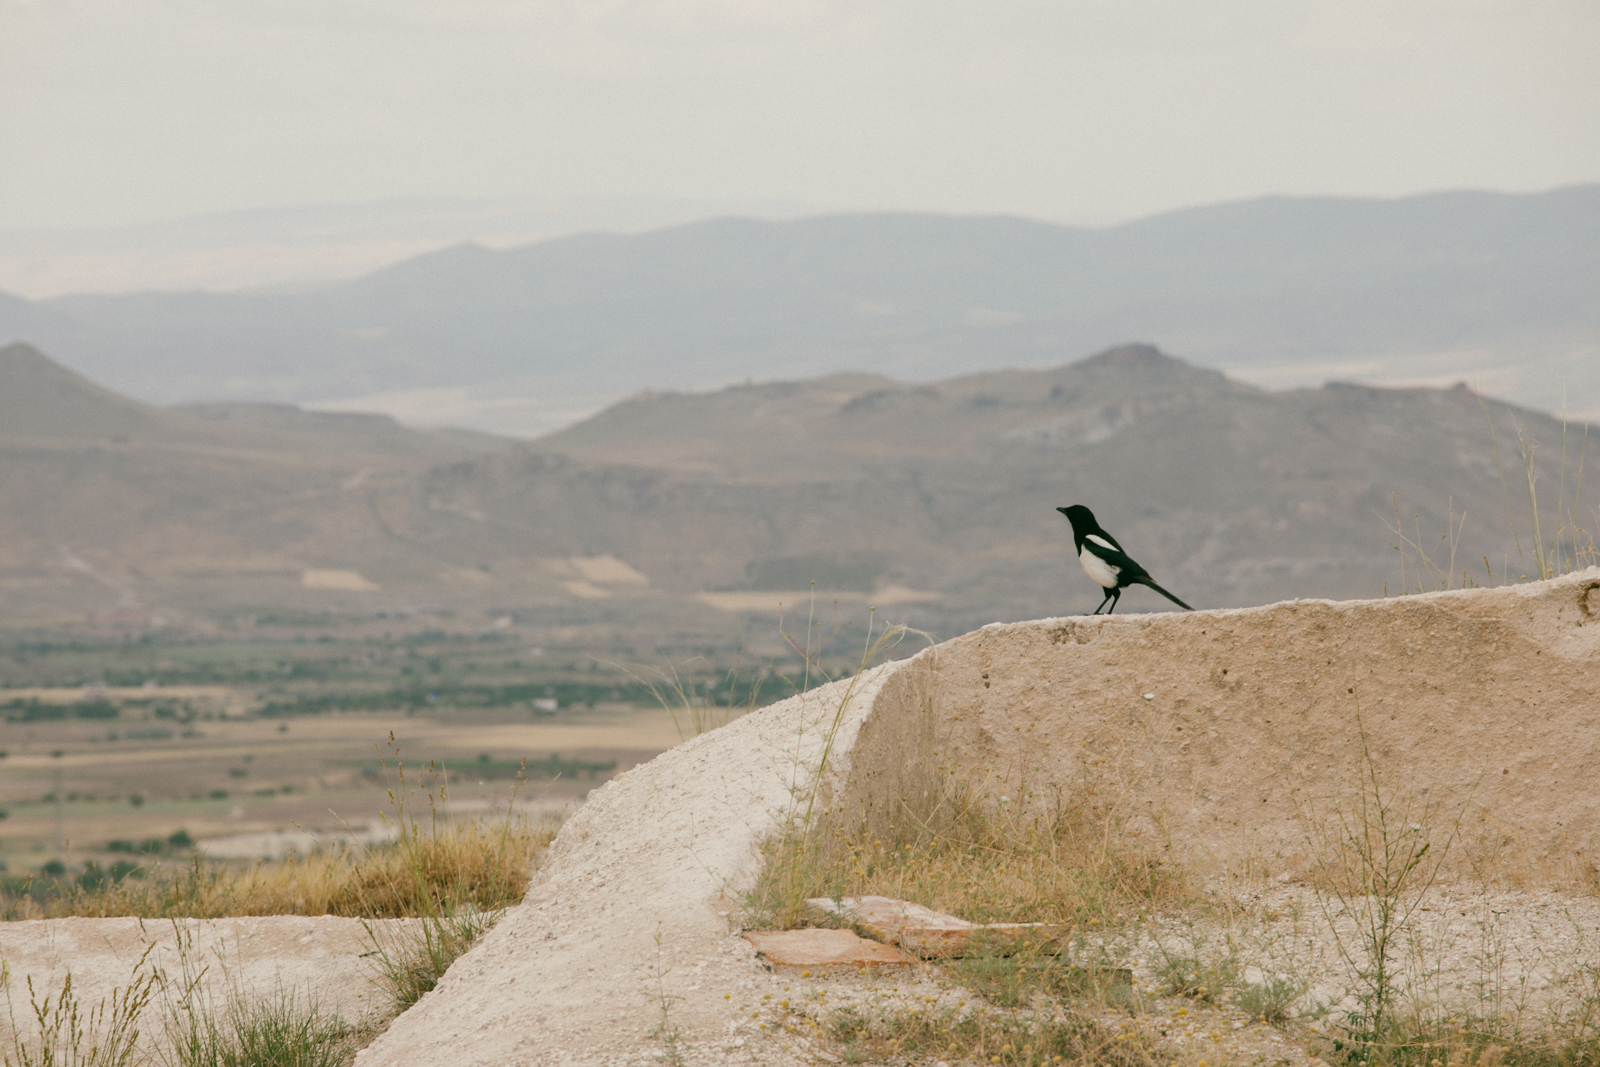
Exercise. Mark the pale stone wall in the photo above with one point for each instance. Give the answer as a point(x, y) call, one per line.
point(1212, 731)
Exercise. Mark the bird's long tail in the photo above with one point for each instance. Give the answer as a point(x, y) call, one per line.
point(1163, 592)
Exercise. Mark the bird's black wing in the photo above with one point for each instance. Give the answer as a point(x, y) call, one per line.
point(1127, 569)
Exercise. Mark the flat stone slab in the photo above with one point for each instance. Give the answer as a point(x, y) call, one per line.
point(934, 934)
point(818, 950)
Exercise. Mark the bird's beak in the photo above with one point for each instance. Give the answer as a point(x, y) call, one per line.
point(1062, 510)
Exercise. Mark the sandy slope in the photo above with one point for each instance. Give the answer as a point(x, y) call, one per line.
point(632, 889)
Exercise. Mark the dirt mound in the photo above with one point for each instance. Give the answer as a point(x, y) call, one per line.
point(1210, 721)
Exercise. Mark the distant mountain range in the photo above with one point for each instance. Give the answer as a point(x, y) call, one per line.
point(324, 242)
point(673, 513)
point(1499, 288)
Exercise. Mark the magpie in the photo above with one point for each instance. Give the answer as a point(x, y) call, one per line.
point(1104, 560)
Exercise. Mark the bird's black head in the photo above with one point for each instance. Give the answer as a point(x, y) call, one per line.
point(1082, 520)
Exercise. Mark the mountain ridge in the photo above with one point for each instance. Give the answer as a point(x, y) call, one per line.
point(938, 497)
point(1481, 283)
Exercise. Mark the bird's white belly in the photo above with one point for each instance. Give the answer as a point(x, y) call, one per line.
point(1104, 574)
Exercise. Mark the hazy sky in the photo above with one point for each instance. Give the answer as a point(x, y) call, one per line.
point(117, 111)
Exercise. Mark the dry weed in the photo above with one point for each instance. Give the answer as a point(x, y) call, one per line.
point(471, 865)
point(984, 859)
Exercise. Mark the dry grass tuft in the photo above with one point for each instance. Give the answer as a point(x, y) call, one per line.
point(982, 858)
point(478, 865)
point(235, 1028)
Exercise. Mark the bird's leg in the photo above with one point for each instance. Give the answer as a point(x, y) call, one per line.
point(1096, 611)
point(1113, 596)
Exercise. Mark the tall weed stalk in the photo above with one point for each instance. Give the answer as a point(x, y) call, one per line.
point(1419, 571)
point(696, 706)
point(1572, 547)
point(1375, 858)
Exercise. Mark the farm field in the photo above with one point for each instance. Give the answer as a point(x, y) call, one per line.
point(247, 749)
point(323, 775)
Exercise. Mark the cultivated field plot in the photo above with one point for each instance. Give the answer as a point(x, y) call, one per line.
point(135, 790)
point(123, 750)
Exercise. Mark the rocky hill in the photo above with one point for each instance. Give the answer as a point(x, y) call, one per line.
point(934, 501)
point(109, 504)
point(1238, 495)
